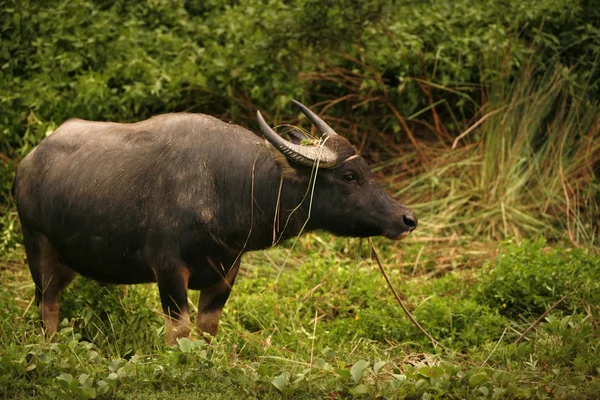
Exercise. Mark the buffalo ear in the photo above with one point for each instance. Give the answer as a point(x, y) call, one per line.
point(296, 136)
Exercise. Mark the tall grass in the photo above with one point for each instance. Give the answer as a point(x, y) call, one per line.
point(528, 165)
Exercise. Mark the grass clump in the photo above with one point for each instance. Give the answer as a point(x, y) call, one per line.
point(530, 277)
point(527, 166)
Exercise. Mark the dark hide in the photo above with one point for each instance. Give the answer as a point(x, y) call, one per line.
point(177, 199)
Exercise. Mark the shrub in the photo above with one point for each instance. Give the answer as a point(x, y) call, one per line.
point(529, 278)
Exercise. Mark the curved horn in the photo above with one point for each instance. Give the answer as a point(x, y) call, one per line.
point(314, 118)
point(304, 155)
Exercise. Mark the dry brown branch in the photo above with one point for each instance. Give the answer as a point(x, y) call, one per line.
point(336, 101)
point(411, 137)
point(440, 129)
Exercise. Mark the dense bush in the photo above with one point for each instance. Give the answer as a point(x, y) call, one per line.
point(385, 71)
point(528, 279)
point(127, 60)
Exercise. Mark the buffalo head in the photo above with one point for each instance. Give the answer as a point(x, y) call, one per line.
point(350, 201)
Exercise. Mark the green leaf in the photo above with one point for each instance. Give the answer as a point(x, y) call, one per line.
point(87, 316)
point(64, 380)
point(103, 387)
point(499, 393)
point(78, 390)
point(83, 379)
point(478, 379)
point(88, 392)
point(448, 368)
point(344, 373)
point(430, 372)
point(378, 365)
point(126, 370)
point(421, 384)
point(358, 368)
point(185, 345)
point(280, 382)
point(265, 371)
point(112, 376)
point(502, 377)
point(114, 365)
point(94, 356)
point(360, 389)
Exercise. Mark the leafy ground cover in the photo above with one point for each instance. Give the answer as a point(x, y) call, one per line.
point(325, 326)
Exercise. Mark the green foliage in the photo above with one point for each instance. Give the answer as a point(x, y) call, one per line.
point(102, 313)
point(529, 278)
point(564, 341)
point(271, 346)
point(125, 61)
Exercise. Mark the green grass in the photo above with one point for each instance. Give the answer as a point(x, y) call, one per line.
point(326, 328)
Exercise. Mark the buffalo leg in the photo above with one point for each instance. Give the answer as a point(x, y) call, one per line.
point(49, 275)
point(212, 300)
point(172, 285)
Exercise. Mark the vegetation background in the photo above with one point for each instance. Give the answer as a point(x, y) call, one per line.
point(482, 116)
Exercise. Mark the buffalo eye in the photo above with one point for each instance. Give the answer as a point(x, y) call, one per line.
point(350, 177)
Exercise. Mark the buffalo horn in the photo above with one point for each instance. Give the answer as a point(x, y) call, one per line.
point(305, 155)
point(318, 122)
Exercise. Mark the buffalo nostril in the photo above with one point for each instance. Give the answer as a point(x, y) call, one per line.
point(410, 221)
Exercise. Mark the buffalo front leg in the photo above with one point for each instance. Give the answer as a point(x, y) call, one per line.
point(212, 300)
point(172, 285)
point(49, 275)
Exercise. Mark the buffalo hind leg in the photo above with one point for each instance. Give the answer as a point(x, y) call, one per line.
point(49, 275)
point(212, 301)
point(172, 285)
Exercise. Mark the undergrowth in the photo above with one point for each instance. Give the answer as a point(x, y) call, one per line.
point(326, 328)
point(527, 167)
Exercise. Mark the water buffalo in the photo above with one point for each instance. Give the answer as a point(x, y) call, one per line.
point(178, 198)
